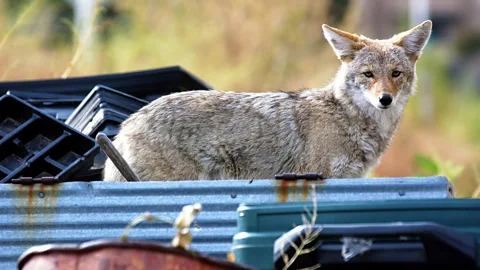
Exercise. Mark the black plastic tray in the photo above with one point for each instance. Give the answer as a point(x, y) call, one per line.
point(106, 121)
point(409, 245)
point(103, 108)
point(60, 97)
point(34, 144)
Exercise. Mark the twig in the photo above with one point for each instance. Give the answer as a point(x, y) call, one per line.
point(309, 237)
point(142, 217)
point(182, 223)
point(117, 159)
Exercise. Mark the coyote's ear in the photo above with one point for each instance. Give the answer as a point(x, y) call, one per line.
point(343, 43)
point(414, 40)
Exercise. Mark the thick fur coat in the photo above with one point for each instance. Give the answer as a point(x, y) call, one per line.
point(341, 130)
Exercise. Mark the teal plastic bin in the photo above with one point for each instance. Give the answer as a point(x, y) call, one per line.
point(259, 226)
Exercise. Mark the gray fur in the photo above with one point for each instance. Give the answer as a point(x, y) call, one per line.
point(337, 130)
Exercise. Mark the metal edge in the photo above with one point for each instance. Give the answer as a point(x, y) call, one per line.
point(107, 243)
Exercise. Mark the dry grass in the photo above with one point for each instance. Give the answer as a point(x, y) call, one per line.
point(81, 45)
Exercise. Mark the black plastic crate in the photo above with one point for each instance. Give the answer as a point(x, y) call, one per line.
point(399, 245)
point(106, 121)
point(104, 109)
point(34, 144)
point(60, 97)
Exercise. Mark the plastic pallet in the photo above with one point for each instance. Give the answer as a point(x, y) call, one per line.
point(60, 97)
point(104, 108)
point(34, 144)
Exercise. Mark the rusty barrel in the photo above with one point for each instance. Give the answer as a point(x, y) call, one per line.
point(115, 254)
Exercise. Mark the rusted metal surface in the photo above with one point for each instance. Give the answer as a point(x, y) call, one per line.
point(76, 212)
point(289, 189)
point(112, 254)
point(290, 181)
point(34, 204)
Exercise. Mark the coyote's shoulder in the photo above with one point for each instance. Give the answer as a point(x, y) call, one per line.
point(340, 130)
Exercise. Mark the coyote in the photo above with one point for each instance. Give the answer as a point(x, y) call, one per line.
point(341, 130)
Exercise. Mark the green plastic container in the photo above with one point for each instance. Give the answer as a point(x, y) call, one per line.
point(260, 225)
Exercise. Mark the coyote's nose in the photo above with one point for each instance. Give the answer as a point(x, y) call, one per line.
point(386, 99)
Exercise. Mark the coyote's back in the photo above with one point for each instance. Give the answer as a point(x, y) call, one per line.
point(341, 130)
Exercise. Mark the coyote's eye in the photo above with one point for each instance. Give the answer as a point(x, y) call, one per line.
point(396, 73)
point(368, 74)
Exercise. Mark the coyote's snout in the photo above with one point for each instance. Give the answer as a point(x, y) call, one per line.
point(341, 130)
point(383, 91)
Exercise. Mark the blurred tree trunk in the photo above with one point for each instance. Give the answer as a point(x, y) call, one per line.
point(419, 11)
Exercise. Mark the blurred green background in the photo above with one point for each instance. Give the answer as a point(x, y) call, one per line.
point(267, 45)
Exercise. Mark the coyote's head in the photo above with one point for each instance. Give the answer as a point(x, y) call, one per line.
point(381, 72)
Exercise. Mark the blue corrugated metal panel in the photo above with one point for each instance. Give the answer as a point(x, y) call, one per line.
point(80, 211)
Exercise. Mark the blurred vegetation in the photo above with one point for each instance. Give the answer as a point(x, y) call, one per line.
point(435, 166)
point(250, 46)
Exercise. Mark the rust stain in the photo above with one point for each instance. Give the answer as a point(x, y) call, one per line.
point(36, 204)
point(49, 203)
point(294, 190)
point(305, 190)
point(41, 190)
point(50, 199)
point(25, 203)
point(30, 201)
point(283, 190)
point(30, 217)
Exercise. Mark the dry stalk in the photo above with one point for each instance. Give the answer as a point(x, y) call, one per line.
point(476, 173)
point(310, 236)
point(147, 216)
point(18, 22)
point(182, 223)
point(7, 70)
point(12, 29)
point(82, 43)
